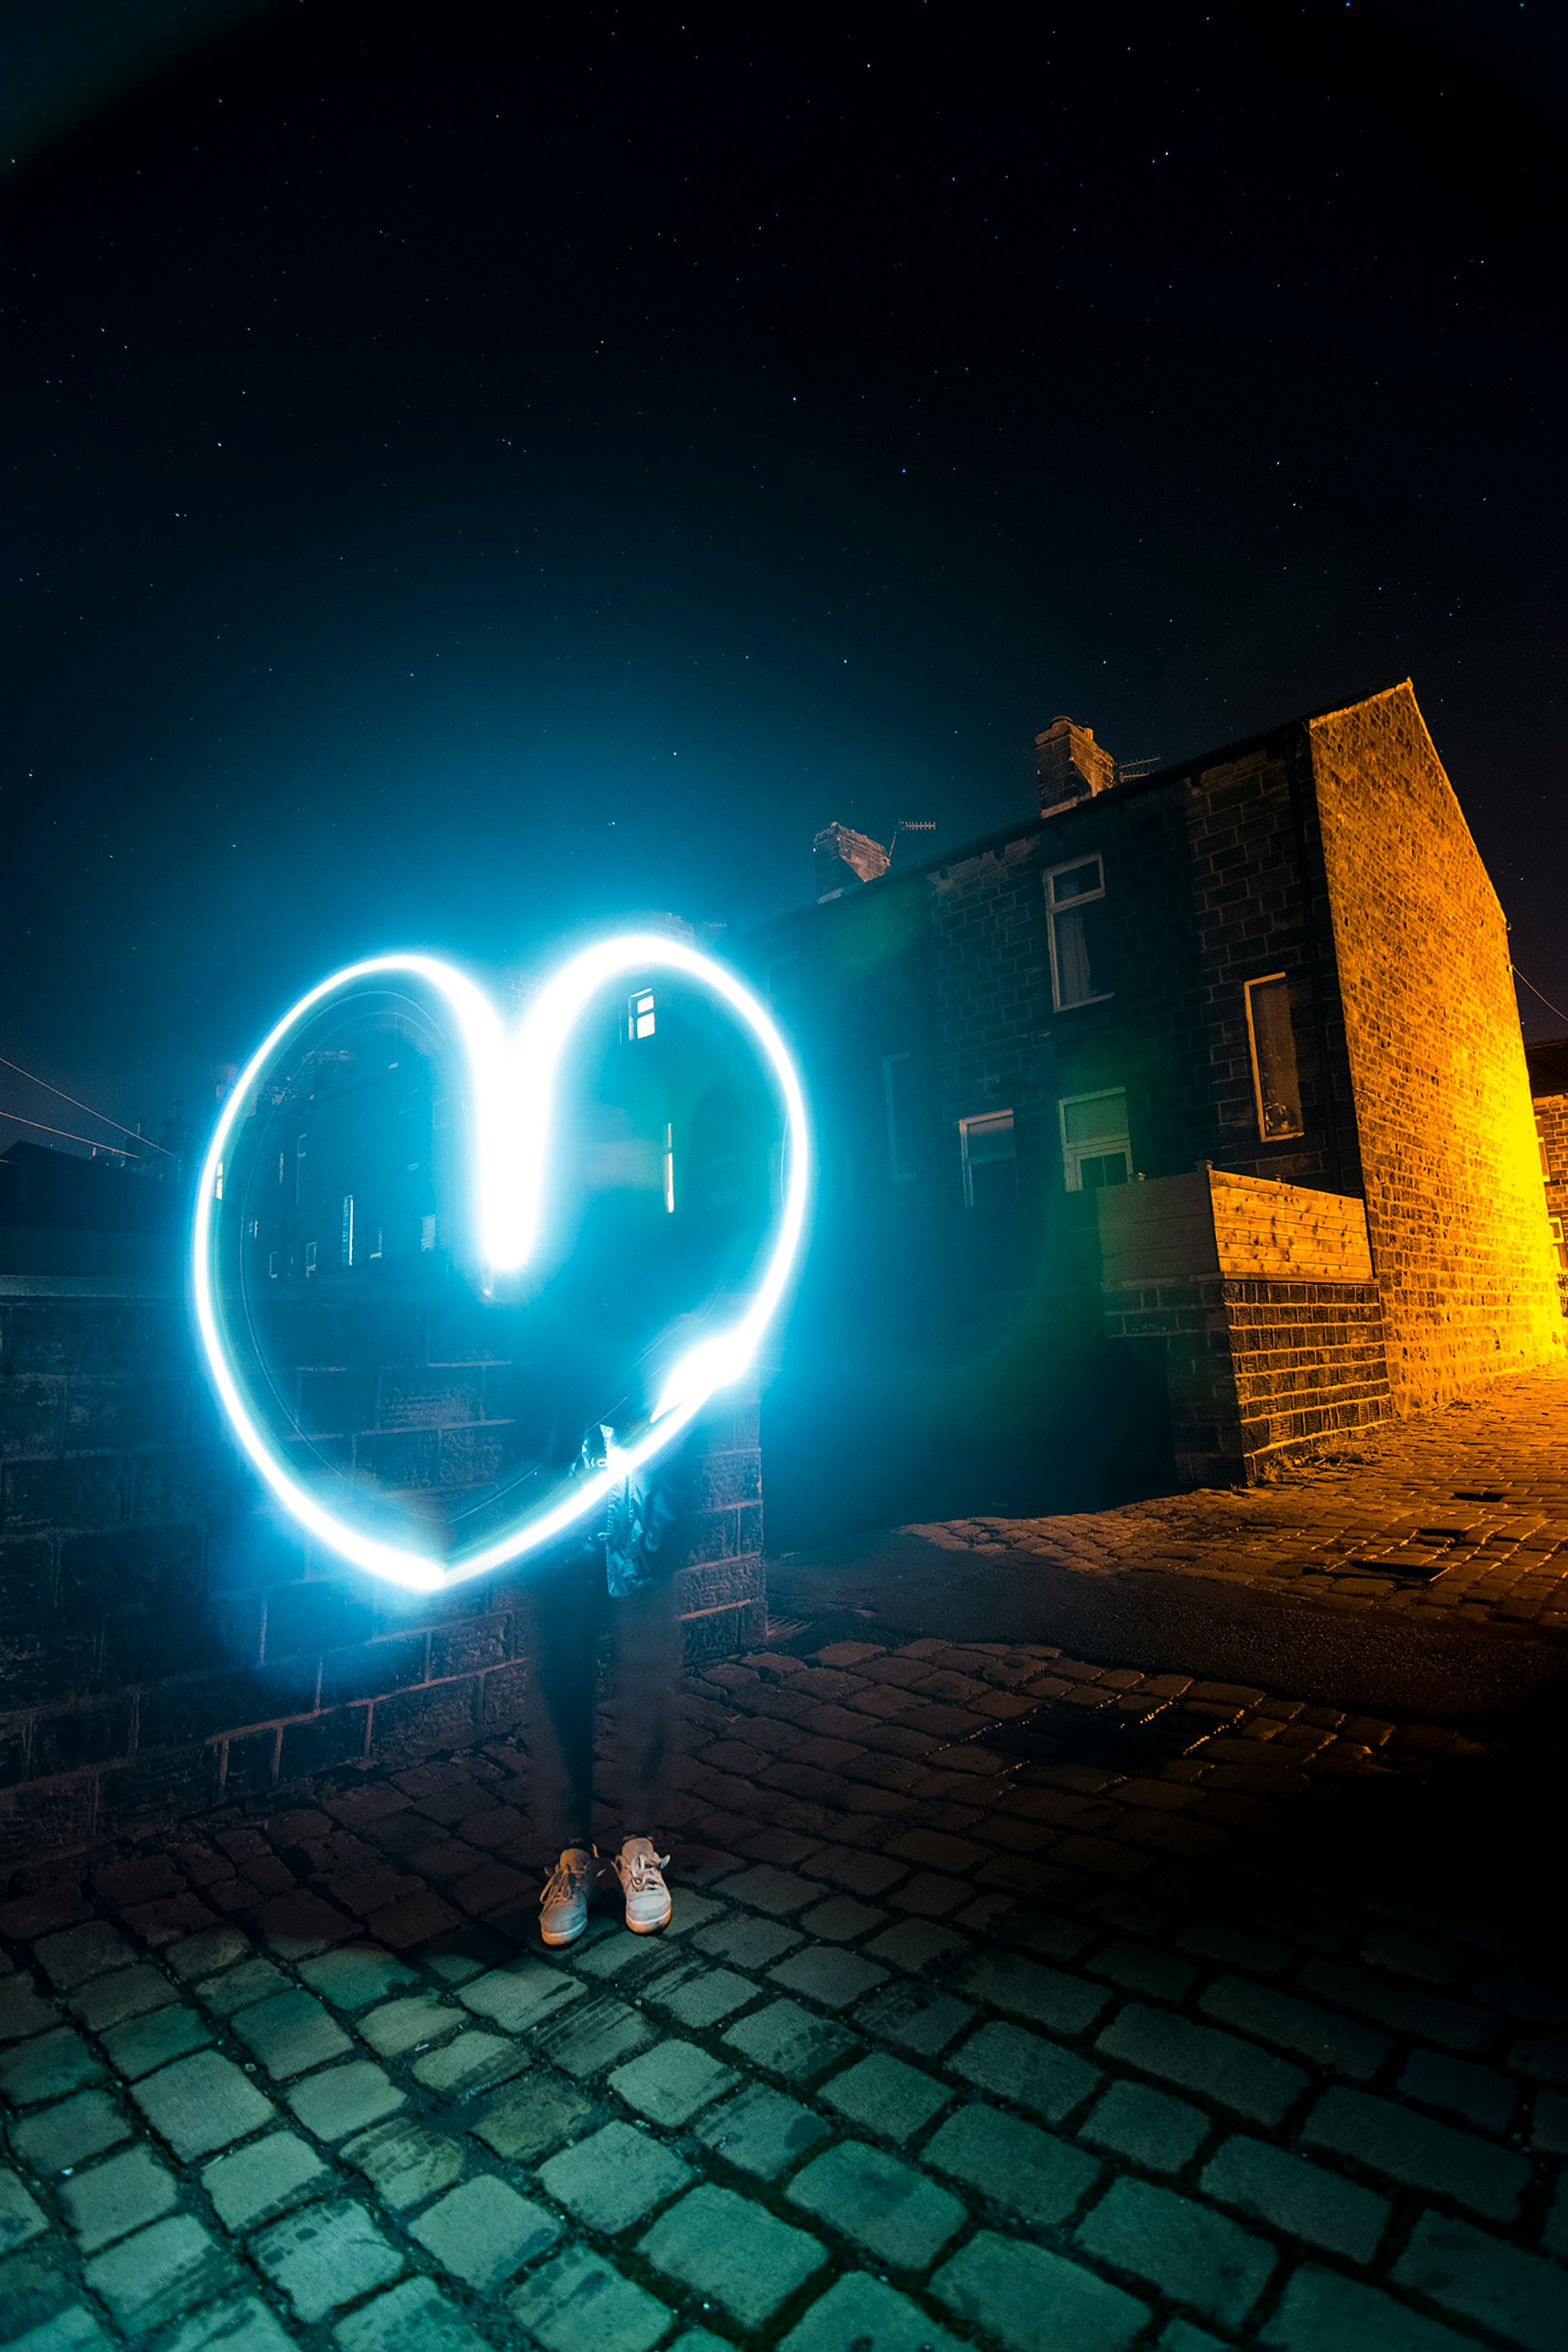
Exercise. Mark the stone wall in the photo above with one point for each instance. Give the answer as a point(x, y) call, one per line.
point(165, 1642)
point(1450, 1166)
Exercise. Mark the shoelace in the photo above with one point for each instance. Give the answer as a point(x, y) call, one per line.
point(565, 1880)
point(635, 1868)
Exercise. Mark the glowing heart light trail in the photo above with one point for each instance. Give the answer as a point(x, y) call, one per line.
point(513, 1084)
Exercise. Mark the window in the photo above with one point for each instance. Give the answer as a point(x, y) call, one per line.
point(427, 1233)
point(990, 1164)
point(1074, 902)
point(1095, 1148)
point(1540, 1143)
point(309, 1259)
point(299, 1142)
point(375, 1241)
point(1559, 1242)
point(640, 1014)
point(218, 1187)
point(669, 1169)
point(899, 1097)
point(348, 1241)
point(1275, 1085)
point(274, 1264)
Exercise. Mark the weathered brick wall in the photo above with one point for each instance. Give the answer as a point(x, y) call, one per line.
point(1452, 1177)
point(164, 1641)
point(1552, 1127)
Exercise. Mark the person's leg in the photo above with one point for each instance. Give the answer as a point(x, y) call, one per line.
point(563, 1688)
point(648, 1636)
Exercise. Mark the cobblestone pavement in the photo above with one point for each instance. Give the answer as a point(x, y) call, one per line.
point(1009, 2002)
point(1463, 1512)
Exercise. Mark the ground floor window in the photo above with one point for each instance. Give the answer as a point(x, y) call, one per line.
point(990, 1161)
point(1096, 1150)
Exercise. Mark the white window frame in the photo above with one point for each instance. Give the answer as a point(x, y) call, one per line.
point(1067, 907)
point(897, 1173)
point(640, 1015)
point(980, 1120)
point(1074, 1154)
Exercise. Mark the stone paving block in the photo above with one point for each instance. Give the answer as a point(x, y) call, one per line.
point(72, 2330)
point(1045, 1997)
point(1479, 2094)
point(1321, 2312)
point(239, 2323)
point(1421, 2153)
point(1023, 2067)
point(475, 2061)
point(351, 1976)
point(484, 2232)
point(413, 2318)
point(761, 2131)
point(1192, 2254)
point(1316, 2035)
point(1014, 2163)
point(861, 2314)
point(930, 1897)
point(1516, 2295)
point(578, 2302)
point(67, 2134)
point(20, 2218)
point(241, 1987)
point(1433, 2017)
point(885, 2096)
point(671, 2081)
point(297, 1924)
point(613, 2178)
point(913, 1944)
point(521, 1995)
point(917, 2018)
point(902, 2218)
point(202, 1955)
point(154, 2276)
point(111, 2198)
point(1143, 1968)
point(1156, 2131)
point(598, 2032)
point(706, 1999)
point(841, 1919)
point(258, 2181)
point(128, 1992)
point(47, 2068)
point(289, 2034)
point(731, 2250)
point(745, 1940)
point(1181, 2336)
point(326, 2257)
point(778, 1893)
point(71, 1956)
point(788, 2040)
point(1302, 2200)
point(149, 2043)
point(404, 2163)
point(398, 2026)
point(201, 2104)
point(1201, 2058)
point(525, 2120)
point(1548, 2123)
point(1034, 2300)
point(828, 1975)
point(22, 2014)
point(35, 2282)
point(344, 2099)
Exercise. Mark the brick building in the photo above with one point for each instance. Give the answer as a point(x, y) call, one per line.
point(1548, 1065)
point(1187, 1117)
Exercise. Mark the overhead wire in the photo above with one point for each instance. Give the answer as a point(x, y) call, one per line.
point(118, 1125)
point(1535, 992)
point(118, 1150)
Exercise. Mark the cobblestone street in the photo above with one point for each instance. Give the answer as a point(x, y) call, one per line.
point(1008, 2001)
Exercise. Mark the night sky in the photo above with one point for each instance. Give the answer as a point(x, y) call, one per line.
point(473, 472)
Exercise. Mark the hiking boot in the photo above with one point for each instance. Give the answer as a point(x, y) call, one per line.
point(563, 1906)
point(640, 1867)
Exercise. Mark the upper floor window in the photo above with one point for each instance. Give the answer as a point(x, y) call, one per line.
point(899, 1099)
point(990, 1160)
point(1558, 1241)
point(1096, 1148)
point(640, 1014)
point(1075, 903)
point(1276, 1087)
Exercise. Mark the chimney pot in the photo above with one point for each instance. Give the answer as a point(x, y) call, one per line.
point(842, 858)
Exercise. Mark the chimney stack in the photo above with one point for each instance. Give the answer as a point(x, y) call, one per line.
point(1069, 765)
point(842, 858)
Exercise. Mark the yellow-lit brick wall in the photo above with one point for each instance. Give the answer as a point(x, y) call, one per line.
point(1455, 1210)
